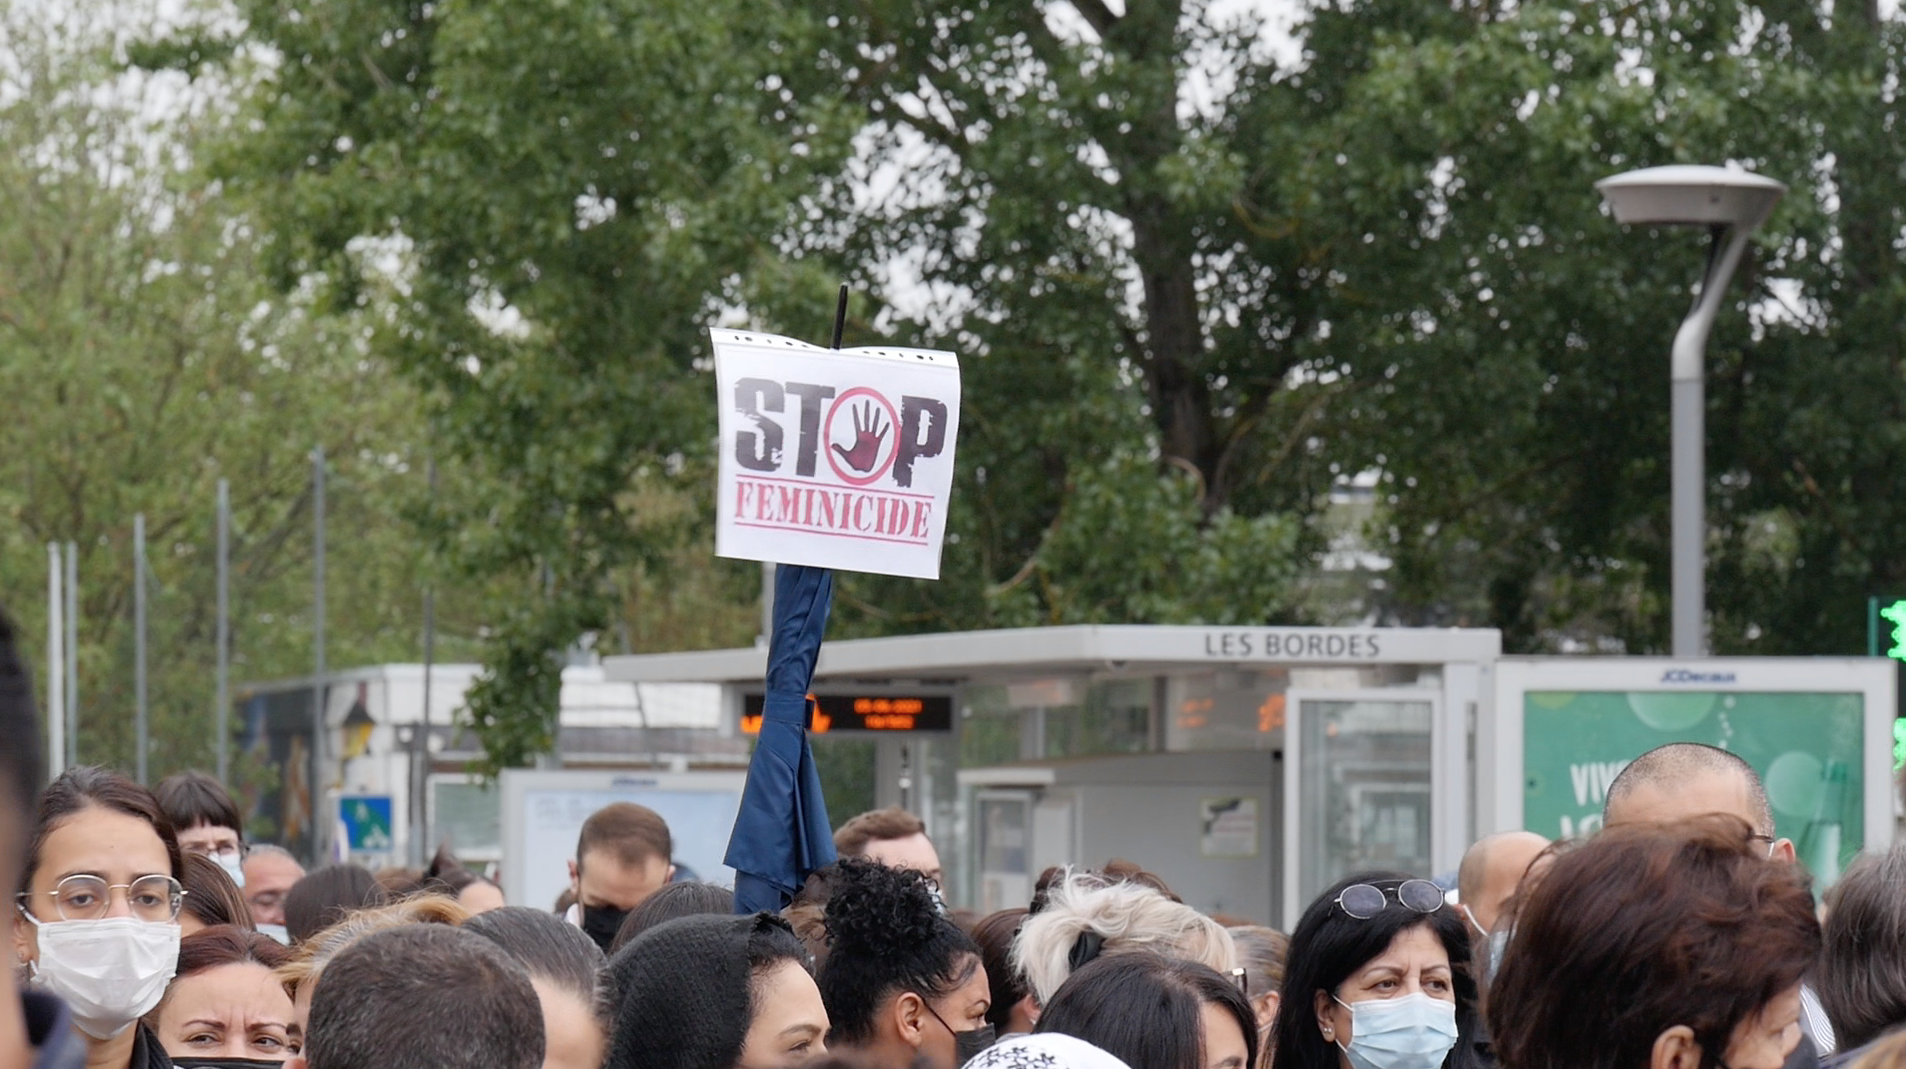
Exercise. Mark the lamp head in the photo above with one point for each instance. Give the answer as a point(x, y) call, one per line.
point(1692, 196)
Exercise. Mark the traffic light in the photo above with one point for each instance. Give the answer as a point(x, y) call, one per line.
point(1886, 637)
point(1894, 613)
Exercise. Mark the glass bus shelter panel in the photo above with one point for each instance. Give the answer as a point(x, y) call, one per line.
point(1364, 799)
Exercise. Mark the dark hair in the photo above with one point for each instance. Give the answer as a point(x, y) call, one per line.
point(210, 894)
point(549, 948)
point(994, 935)
point(424, 994)
point(876, 825)
point(1329, 945)
point(887, 937)
point(192, 798)
point(684, 899)
point(226, 944)
point(20, 768)
point(1861, 978)
point(325, 897)
point(446, 875)
point(1644, 927)
point(399, 881)
point(807, 913)
point(634, 833)
point(1146, 1009)
point(1675, 762)
point(88, 787)
point(220, 945)
point(687, 990)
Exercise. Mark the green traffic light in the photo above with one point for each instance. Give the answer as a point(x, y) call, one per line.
point(1895, 614)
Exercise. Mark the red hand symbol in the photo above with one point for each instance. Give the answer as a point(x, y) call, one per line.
point(869, 432)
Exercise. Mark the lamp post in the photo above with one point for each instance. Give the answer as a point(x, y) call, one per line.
point(1730, 204)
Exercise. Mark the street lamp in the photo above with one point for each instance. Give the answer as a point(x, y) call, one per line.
point(1730, 204)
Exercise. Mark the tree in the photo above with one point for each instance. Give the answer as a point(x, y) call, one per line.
point(562, 198)
point(143, 359)
point(1384, 254)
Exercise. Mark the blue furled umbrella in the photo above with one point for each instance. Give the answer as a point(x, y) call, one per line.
point(782, 834)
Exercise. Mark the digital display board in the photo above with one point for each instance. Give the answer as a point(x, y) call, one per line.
point(852, 712)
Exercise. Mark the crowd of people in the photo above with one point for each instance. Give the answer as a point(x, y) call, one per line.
point(149, 932)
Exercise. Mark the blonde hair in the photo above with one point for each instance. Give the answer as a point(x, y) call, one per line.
point(1126, 916)
point(315, 953)
point(1887, 1052)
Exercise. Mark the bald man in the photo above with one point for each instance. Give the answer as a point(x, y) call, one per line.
point(1492, 869)
point(1689, 779)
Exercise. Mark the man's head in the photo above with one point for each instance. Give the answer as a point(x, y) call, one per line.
point(423, 994)
point(894, 838)
point(1689, 779)
point(622, 857)
point(269, 873)
point(1490, 872)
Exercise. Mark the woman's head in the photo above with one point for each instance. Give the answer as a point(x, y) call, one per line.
point(1261, 954)
point(714, 992)
point(1013, 1009)
point(1657, 945)
point(211, 898)
point(1158, 1012)
point(102, 859)
point(1085, 915)
point(327, 896)
point(225, 1001)
point(565, 967)
point(1861, 978)
point(299, 976)
point(684, 899)
point(202, 812)
point(900, 979)
point(446, 875)
point(1374, 952)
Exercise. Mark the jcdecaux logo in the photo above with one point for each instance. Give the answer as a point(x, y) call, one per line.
point(1695, 675)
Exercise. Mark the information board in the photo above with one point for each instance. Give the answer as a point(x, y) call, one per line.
point(543, 814)
point(1818, 731)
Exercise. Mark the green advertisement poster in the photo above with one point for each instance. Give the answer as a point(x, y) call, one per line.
point(1807, 748)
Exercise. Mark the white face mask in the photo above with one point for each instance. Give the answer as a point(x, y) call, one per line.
point(275, 931)
point(234, 867)
point(110, 972)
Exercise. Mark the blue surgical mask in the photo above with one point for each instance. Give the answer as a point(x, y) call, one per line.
point(1498, 942)
point(1406, 1032)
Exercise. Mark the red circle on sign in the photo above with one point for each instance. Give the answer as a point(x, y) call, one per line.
point(891, 446)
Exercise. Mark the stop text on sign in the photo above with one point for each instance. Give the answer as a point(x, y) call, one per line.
point(835, 458)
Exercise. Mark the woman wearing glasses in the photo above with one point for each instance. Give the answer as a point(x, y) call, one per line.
point(1377, 980)
point(97, 924)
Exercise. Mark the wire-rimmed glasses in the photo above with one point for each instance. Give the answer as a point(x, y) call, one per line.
point(1366, 900)
point(83, 896)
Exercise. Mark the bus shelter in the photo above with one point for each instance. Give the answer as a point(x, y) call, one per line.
point(1253, 766)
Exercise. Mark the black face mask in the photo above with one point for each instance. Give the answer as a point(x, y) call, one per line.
point(221, 1063)
point(966, 1045)
point(601, 923)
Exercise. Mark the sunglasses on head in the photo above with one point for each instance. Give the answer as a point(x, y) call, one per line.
point(1366, 900)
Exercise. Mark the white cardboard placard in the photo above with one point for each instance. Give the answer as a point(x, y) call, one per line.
point(836, 458)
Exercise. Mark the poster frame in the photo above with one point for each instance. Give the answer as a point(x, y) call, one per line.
point(1500, 738)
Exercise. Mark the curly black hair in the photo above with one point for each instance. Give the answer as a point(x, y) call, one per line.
point(887, 937)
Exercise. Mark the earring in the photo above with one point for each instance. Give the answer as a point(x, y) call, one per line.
point(1330, 1033)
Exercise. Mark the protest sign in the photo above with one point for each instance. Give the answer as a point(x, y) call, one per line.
point(835, 458)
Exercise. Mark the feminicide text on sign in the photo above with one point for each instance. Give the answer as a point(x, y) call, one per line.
point(837, 458)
